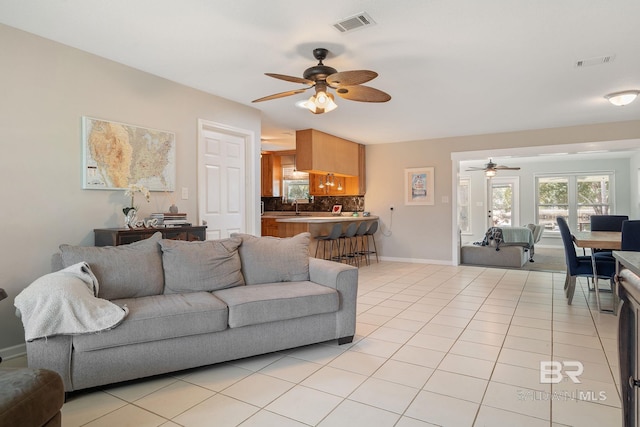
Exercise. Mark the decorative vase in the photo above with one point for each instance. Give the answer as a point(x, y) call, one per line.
point(130, 218)
point(173, 209)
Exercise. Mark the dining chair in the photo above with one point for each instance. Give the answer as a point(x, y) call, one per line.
point(630, 236)
point(580, 266)
point(607, 223)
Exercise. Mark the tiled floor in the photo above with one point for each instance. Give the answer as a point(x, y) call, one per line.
point(435, 345)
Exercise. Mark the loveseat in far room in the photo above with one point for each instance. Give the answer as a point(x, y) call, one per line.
point(191, 304)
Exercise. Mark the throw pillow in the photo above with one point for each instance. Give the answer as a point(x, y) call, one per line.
point(200, 266)
point(274, 259)
point(125, 271)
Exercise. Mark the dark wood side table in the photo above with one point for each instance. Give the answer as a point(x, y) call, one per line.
point(123, 236)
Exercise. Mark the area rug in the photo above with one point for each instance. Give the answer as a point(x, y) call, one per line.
point(547, 259)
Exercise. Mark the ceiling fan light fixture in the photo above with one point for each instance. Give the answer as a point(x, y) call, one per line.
point(620, 99)
point(490, 173)
point(321, 102)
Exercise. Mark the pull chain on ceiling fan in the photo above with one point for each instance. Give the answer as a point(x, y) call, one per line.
point(347, 84)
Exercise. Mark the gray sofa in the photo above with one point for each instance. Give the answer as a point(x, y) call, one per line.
point(192, 304)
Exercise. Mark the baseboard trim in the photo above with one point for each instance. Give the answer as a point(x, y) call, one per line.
point(13, 352)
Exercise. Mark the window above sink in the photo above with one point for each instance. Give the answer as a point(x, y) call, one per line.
point(295, 183)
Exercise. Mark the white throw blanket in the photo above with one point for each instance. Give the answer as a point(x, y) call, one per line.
point(65, 302)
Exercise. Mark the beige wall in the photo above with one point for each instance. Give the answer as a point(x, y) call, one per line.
point(424, 233)
point(45, 89)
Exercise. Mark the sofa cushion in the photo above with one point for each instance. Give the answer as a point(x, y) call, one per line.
point(159, 317)
point(201, 266)
point(126, 271)
point(254, 304)
point(274, 259)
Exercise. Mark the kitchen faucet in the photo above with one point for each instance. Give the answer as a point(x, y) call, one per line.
point(295, 202)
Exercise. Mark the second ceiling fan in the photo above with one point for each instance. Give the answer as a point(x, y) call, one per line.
point(347, 84)
point(490, 169)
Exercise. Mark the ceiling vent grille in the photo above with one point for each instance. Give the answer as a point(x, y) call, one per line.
point(354, 22)
point(600, 60)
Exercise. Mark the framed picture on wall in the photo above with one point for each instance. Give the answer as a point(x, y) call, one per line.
point(419, 186)
point(116, 155)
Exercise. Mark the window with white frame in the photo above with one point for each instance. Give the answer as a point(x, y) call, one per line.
point(573, 196)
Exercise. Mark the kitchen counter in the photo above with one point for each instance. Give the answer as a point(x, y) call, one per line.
point(629, 259)
point(324, 219)
point(316, 223)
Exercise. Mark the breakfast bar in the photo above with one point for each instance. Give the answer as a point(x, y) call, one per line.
point(316, 224)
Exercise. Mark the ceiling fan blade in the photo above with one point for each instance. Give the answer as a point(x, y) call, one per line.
point(362, 94)
point(505, 168)
point(290, 78)
point(348, 78)
point(279, 95)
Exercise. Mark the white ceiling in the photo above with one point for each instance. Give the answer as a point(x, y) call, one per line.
point(453, 67)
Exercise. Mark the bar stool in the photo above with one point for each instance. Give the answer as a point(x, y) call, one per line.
point(360, 245)
point(371, 234)
point(332, 238)
point(347, 238)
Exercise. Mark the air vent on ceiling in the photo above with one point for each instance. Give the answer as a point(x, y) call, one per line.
point(594, 61)
point(354, 22)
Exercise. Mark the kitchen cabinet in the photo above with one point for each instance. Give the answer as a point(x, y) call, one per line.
point(266, 174)
point(351, 185)
point(320, 153)
point(628, 290)
point(270, 174)
point(269, 227)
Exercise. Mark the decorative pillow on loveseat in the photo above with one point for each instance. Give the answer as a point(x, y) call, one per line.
point(201, 266)
point(126, 271)
point(274, 259)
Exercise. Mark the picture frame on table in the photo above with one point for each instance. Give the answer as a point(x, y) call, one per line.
point(419, 186)
point(336, 210)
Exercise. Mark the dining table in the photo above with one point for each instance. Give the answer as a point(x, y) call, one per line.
point(598, 240)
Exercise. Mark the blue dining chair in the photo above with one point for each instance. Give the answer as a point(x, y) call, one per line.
point(581, 266)
point(607, 223)
point(630, 236)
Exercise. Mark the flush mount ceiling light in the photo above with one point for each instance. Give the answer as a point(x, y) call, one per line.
point(621, 99)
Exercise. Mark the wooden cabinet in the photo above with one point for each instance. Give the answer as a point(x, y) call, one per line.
point(123, 236)
point(266, 174)
point(351, 185)
point(321, 153)
point(269, 227)
point(270, 174)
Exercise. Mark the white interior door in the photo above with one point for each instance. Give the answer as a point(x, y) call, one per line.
point(221, 182)
point(503, 202)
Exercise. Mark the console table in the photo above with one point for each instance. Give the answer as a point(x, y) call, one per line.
point(123, 236)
